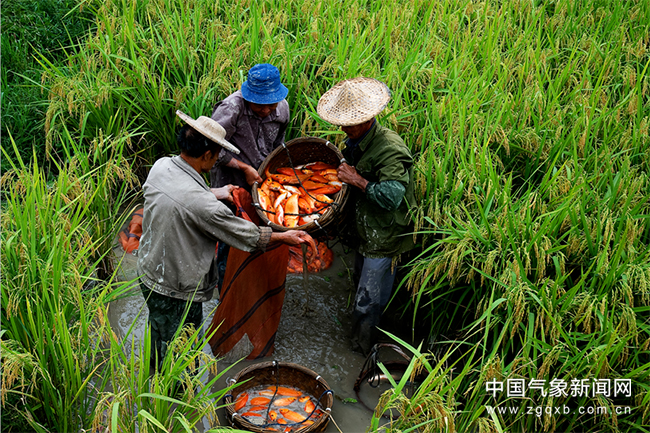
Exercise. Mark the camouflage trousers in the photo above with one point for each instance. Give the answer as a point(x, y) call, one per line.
point(165, 317)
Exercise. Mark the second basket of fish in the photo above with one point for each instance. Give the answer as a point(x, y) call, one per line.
point(279, 396)
point(300, 188)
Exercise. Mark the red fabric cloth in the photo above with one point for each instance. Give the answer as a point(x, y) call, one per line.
point(252, 293)
point(130, 237)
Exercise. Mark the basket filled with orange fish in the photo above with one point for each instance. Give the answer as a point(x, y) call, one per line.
point(279, 397)
point(300, 187)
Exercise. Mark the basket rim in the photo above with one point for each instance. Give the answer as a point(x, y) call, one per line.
point(340, 198)
point(228, 399)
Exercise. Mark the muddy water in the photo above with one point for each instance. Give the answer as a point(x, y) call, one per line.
point(313, 332)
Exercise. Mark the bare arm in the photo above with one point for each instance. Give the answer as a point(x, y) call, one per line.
point(292, 237)
point(251, 174)
point(224, 193)
point(349, 175)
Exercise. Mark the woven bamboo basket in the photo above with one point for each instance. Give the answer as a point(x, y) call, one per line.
point(297, 152)
point(273, 373)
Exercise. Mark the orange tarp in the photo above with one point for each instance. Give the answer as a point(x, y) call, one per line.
point(252, 293)
point(130, 237)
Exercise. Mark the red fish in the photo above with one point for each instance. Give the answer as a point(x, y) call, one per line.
point(309, 406)
point(265, 201)
point(280, 199)
point(290, 392)
point(266, 184)
point(291, 180)
point(304, 205)
point(318, 178)
point(319, 165)
point(241, 401)
point(288, 171)
point(291, 208)
point(326, 189)
point(322, 200)
point(249, 414)
point(309, 185)
point(260, 401)
point(279, 216)
point(329, 172)
point(291, 415)
point(284, 401)
point(275, 186)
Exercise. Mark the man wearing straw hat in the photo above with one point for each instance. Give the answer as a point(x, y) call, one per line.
point(182, 221)
point(379, 168)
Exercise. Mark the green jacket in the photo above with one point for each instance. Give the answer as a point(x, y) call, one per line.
point(379, 157)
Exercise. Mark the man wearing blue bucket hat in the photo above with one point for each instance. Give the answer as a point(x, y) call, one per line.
point(255, 119)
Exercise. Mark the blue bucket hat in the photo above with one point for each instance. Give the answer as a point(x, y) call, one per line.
point(263, 85)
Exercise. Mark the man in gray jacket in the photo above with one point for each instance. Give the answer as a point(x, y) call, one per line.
point(182, 221)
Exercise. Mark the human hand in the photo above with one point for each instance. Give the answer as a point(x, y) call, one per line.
point(348, 174)
point(293, 237)
point(224, 193)
point(251, 174)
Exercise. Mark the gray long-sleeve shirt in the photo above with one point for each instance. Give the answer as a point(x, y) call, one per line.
point(181, 224)
point(255, 137)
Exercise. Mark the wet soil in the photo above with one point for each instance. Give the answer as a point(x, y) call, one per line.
point(313, 332)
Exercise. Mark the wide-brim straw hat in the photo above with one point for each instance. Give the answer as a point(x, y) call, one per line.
point(210, 129)
point(353, 101)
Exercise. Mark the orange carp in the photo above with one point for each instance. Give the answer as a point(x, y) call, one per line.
point(286, 401)
point(260, 401)
point(309, 406)
point(291, 415)
point(283, 390)
point(241, 401)
point(291, 210)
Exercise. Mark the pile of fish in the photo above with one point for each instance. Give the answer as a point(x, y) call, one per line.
point(296, 196)
point(317, 259)
point(281, 409)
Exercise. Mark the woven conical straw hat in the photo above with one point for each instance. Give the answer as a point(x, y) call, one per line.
point(353, 101)
point(210, 129)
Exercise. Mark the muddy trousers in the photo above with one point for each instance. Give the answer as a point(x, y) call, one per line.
point(375, 280)
point(165, 316)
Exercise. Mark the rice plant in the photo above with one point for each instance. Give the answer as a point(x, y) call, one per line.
point(530, 125)
point(64, 369)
